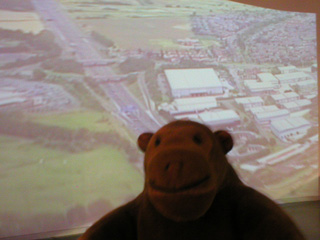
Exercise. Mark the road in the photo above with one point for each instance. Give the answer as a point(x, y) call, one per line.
point(67, 31)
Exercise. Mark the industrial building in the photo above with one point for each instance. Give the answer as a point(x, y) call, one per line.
point(297, 105)
point(285, 97)
point(249, 102)
point(268, 77)
point(307, 86)
point(290, 128)
point(192, 104)
point(265, 118)
point(193, 82)
point(257, 88)
point(292, 77)
point(268, 108)
point(287, 69)
point(223, 118)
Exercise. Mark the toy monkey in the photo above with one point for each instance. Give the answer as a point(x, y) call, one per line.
point(192, 192)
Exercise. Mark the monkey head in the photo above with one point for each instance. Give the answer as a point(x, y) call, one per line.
point(185, 166)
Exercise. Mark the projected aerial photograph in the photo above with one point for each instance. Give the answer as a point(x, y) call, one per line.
point(81, 79)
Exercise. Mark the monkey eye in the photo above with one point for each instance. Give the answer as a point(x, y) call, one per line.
point(157, 141)
point(197, 139)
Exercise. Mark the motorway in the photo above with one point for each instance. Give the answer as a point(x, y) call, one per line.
point(58, 21)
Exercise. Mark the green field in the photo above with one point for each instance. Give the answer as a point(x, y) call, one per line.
point(133, 33)
point(37, 180)
point(164, 43)
point(91, 120)
point(158, 8)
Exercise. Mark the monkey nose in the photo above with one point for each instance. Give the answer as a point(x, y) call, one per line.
point(174, 166)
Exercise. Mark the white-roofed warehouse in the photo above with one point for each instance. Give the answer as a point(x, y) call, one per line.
point(287, 69)
point(268, 77)
point(292, 77)
point(193, 104)
point(193, 82)
point(220, 118)
point(249, 102)
point(289, 128)
point(297, 105)
point(285, 97)
point(256, 87)
point(267, 117)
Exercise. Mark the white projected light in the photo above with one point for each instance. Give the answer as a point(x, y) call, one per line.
point(81, 79)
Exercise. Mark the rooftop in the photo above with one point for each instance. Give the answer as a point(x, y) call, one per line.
point(286, 68)
point(254, 85)
point(219, 116)
point(249, 100)
point(293, 75)
point(264, 109)
point(194, 103)
point(271, 114)
point(297, 103)
point(194, 78)
point(284, 95)
point(289, 123)
point(307, 82)
point(267, 77)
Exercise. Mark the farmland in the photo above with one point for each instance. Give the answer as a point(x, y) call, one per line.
point(152, 33)
point(36, 176)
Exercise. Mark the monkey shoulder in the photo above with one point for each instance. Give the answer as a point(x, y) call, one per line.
point(256, 216)
point(119, 224)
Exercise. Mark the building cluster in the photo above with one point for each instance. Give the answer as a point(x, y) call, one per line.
point(249, 73)
point(273, 101)
point(221, 54)
point(176, 55)
point(222, 25)
point(289, 78)
point(34, 97)
point(192, 49)
point(268, 45)
point(265, 45)
point(190, 43)
point(195, 93)
point(135, 53)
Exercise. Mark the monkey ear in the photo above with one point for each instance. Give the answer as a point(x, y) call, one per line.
point(225, 140)
point(143, 140)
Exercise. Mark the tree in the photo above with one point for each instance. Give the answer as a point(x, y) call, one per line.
point(63, 65)
point(272, 142)
point(275, 70)
point(39, 74)
point(136, 64)
point(102, 39)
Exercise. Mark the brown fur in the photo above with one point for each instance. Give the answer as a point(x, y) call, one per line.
point(192, 192)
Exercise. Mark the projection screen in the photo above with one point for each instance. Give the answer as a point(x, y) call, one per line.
point(81, 79)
